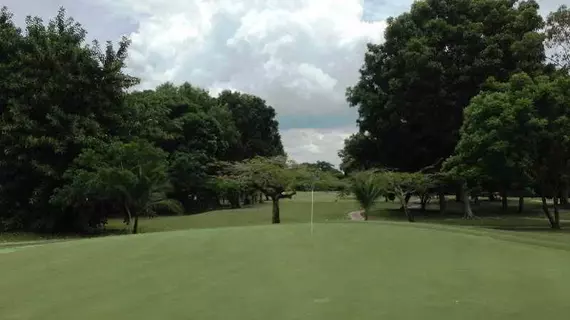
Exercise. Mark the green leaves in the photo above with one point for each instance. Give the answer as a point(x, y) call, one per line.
point(367, 187)
point(558, 37)
point(413, 87)
point(498, 136)
point(272, 176)
point(132, 176)
point(58, 96)
point(256, 125)
point(516, 134)
point(76, 144)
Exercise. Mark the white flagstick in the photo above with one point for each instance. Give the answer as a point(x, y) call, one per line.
point(312, 206)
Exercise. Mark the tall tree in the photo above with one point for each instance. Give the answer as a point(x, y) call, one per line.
point(359, 153)
point(192, 128)
point(413, 87)
point(57, 96)
point(518, 132)
point(256, 124)
point(498, 139)
point(558, 37)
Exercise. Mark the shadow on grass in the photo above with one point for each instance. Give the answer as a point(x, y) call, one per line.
point(24, 238)
point(489, 216)
point(531, 229)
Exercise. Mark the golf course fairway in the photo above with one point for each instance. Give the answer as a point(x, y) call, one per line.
point(342, 271)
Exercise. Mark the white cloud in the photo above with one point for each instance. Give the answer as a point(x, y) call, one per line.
point(311, 145)
point(299, 55)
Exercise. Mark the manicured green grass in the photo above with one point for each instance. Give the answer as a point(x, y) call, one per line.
point(9, 238)
point(489, 215)
point(327, 208)
point(529, 226)
point(232, 264)
point(345, 270)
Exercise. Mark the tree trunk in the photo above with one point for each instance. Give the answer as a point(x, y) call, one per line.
point(136, 225)
point(504, 201)
point(556, 214)
point(129, 216)
point(564, 195)
point(424, 200)
point(459, 195)
point(442, 203)
point(233, 199)
point(521, 204)
point(476, 200)
point(467, 212)
point(275, 218)
point(551, 220)
point(408, 213)
point(406, 200)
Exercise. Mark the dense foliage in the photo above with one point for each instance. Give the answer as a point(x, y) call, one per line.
point(57, 97)
point(558, 37)
point(516, 134)
point(414, 86)
point(79, 146)
point(463, 90)
point(465, 97)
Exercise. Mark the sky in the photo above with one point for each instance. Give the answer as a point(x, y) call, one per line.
point(298, 55)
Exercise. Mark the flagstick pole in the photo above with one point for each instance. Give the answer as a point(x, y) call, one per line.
point(312, 207)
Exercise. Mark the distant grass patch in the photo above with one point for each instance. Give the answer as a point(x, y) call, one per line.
point(7, 238)
point(530, 224)
point(327, 207)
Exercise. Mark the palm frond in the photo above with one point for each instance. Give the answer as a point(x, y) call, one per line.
point(168, 204)
point(367, 189)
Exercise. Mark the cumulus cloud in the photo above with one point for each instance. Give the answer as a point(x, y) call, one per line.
point(311, 145)
point(299, 55)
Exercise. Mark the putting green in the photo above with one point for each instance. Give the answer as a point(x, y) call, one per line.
point(343, 271)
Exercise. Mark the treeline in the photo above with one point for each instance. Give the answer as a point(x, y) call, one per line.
point(78, 145)
point(473, 95)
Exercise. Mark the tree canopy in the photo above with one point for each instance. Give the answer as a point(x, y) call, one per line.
point(459, 96)
point(413, 87)
point(72, 125)
point(516, 134)
point(558, 37)
point(275, 177)
point(463, 91)
point(58, 95)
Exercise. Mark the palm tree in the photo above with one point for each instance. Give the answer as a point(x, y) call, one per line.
point(367, 188)
point(142, 191)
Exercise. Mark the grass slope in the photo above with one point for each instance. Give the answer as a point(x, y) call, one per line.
point(344, 271)
point(327, 208)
